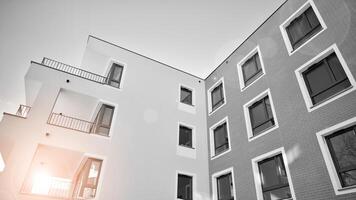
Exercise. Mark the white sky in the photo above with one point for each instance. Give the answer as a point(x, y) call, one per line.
point(191, 35)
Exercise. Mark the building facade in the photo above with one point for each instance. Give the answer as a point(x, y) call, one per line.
point(275, 120)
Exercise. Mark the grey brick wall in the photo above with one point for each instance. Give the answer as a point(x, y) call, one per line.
point(297, 127)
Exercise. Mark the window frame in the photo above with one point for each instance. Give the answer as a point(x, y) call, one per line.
point(240, 64)
point(183, 106)
point(194, 182)
point(213, 154)
point(257, 175)
point(123, 74)
point(329, 162)
point(180, 95)
point(189, 152)
point(246, 108)
point(209, 94)
point(296, 14)
point(216, 175)
point(303, 85)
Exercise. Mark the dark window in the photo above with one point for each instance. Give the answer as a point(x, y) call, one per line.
point(185, 136)
point(221, 140)
point(114, 77)
point(303, 27)
point(185, 187)
point(217, 96)
point(186, 96)
point(261, 115)
point(251, 69)
point(274, 178)
point(342, 146)
point(325, 79)
point(225, 187)
point(103, 120)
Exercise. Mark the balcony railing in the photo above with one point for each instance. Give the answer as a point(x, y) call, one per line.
point(71, 123)
point(23, 111)
point(48, 186)
point(74, 71)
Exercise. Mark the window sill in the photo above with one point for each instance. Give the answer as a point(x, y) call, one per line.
point(187, 147)
point(264, 132)
point(186, 108)
point(347, 188)
point(259, 76)
point(220, 154)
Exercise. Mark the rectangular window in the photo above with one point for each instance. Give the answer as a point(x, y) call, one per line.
point(225, 187)
point(251, 69)
point(221, 140)
point(261, 116)
point(185, 187)
point(274, 178)
point(342, 147)
point(325, 79)
point(185, 136)
point(217, 97)
point(186, 96)
point(303, 27)
point(103, 120)
point(115, 74)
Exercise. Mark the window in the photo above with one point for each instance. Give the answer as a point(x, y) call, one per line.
point(260, 115)
point(303, 27)
point(300, 28)
point(324, 78)
point(185, 136)
point(220, 138)
point(115, 74)
point(250, 68)
point(342, 147)
point(223, 185)
point(216, 96)
point(186, 96)
point(103, 120)
point(272, 176)
point(338, 146)
point(185, 187)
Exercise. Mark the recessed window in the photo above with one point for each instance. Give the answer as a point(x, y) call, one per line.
point(219, 138)
point(325, 78)
point(223, 185)
point(338, 146)
point(300, 28)
point(186, 96)
point(216, 96)
point(115, 75)
point(342, 147)
point(185, 187)
point(185, 136)
point(260, 115)
point(274, 178)
point(102, 122)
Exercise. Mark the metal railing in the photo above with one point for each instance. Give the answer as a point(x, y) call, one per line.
point(72, 123)
point(74, 71)
point(23, 111)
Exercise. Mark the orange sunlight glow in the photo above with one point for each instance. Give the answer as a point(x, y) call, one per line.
point(2, 164)
point(41, 183)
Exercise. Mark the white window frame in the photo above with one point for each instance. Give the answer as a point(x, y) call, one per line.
point(283, 26)
point(113, 120)
point(250, 135)
point(124, 65)
point(211, 138)
point(303, 87)
point(194, 189)
point(256, 171)
point(183, 106)
point(210, 109)
point(243, 61)
point(186, 151)
point(216, 175)
point(338, 189)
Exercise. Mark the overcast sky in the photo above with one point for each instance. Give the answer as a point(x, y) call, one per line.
point(194, 36)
